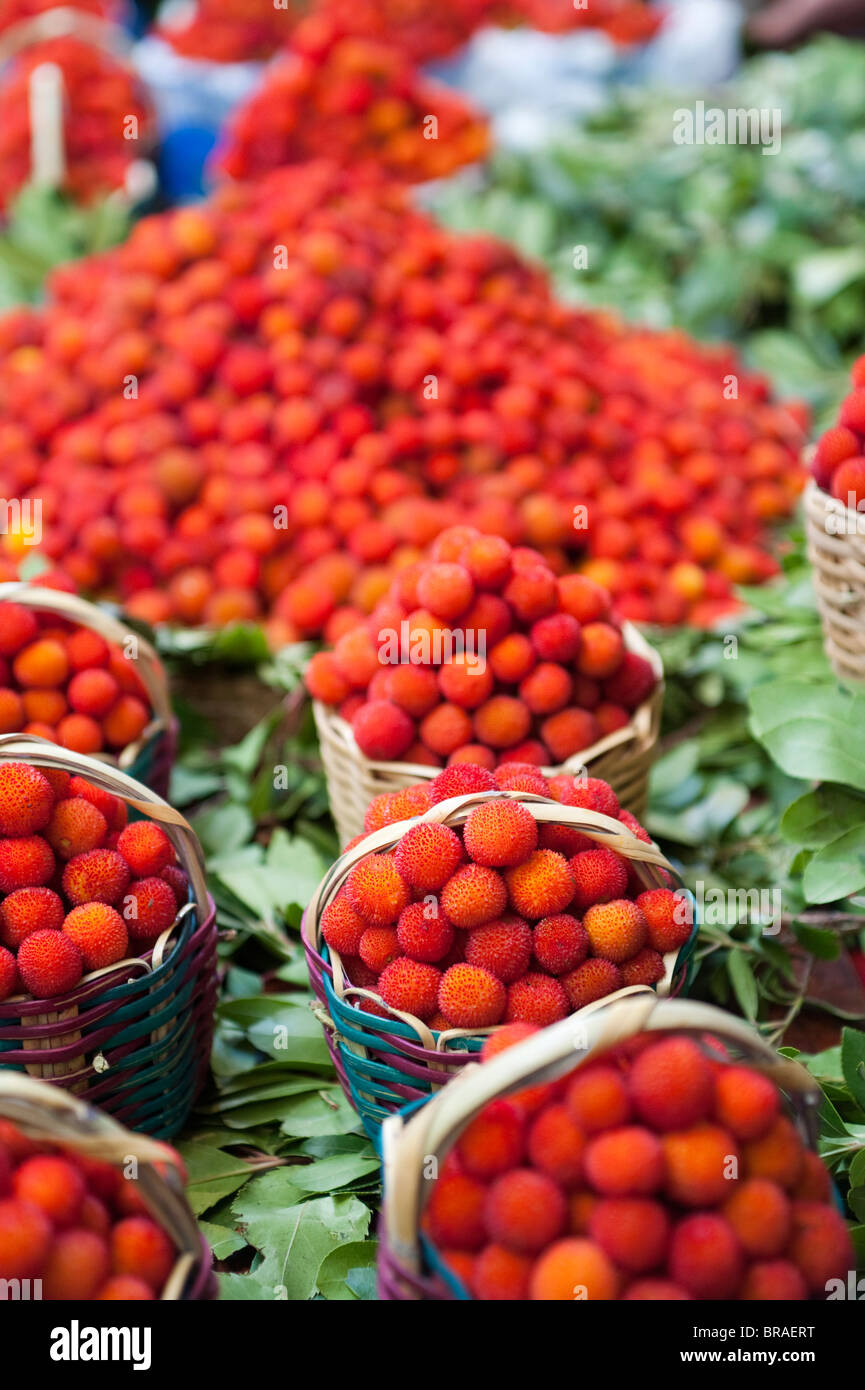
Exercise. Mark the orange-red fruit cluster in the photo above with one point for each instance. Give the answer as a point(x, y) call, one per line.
point(482, 652)
point(66, 683)
point(78, 884)
point(326, 380)
point(77, 1225)
point(357, 99)
point(838, 465)
point(658, 1171)
point(475, 927)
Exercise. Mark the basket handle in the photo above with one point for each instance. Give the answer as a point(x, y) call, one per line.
point(41, 753)
point(89, 615)
point(544, 1057)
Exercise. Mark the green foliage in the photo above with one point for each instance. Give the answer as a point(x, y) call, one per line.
point(44, 229)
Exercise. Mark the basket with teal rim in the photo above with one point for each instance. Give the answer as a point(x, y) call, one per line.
point(414, 1142)
point(151, 757)
point(50, 1116)
point(384, 1064)
point(134, 1037)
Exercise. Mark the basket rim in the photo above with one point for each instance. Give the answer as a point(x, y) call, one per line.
point(640, 730)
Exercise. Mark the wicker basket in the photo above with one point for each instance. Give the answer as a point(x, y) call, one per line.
point(836, 549)
point(135, 1036)
point(54, 1117)
point(151, 758)
point(384, 1063)
point(624, 758)
point(408, 1267)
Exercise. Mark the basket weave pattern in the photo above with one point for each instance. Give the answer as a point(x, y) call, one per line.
point(624, 758)
point(135, 1036)
point(836, 549)
point(385, 1063)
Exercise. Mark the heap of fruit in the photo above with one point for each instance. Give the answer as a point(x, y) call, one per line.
point(230, 31)
point(260, 406)
point(838, 464)
point(20, 11)
point(77, 1224)
point(659, 1171)
point(80, 888)
point(106, 121)
point(355, 99)
point(624, 21)
point(65, 683)
point(503, 920)
point(481, 654)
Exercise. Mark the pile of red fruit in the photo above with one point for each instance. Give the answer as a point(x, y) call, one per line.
point(659, 1171)
point(230, 31)
point(65, 683)
point(503, 920)
point(354, 99)
point(20, 11)
point(80, 888)
point(624, 21)
point(481, 654)
point(262, 405)
point(102, 104)
point(838, 465)
point(77, 1225)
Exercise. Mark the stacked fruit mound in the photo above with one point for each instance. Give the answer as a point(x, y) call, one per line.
point(660, 1171)
point(230, 31)
point(20, 11)
point(66, 683)
point(480, 654)
point(504, 921)
point(80, 888)
point(77, 1225)
point(355, 99)
point(102, 103)
point(624, 21)
point(261, 405)
point(839, 458)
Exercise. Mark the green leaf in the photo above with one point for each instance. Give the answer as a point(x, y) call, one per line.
point(294, 1238)
point(837, 870)
point(329, 1174)
point(213, 1174)
point(244, 1288)
point(310, 1116)
point(825, 945)
point(744, 984)
point(337, 1268)
point(853, 1062)
point(820, 816)
point(221, 1241)
point(806, 730)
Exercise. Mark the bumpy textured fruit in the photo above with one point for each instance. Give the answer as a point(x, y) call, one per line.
point(537, 999)
point(705, 1256)
point(556, 1145)
point(8, 980)
point(383, 731)
point(100, 875)
point(75, 827)
point(503, 947)
point(633, 1231)
point(378, 947)
point(125, 1288)
point(600, 876)
point(26, 862)
point(473, 895)
point(460, 780)
point(146, 848)
point(26, 800)
point(625, 1162)
point(592, 980)
point(500, 834)
point(775, 1281)
point(52, 1184)
point(571, 1269)
point(777, 1155)
point(541, 886)
point(470, 997)
point(746, 1102)
point(423, 931)
point(49, 964)
point(493, 1142)
point(525, 1210)
point(668, 917)
point(654, 1291)
point(500, 1275)
point(820, 1245)
point(616, 930)
point(99, 933)
point(376, 889)
point(702, 1163)
point(76, 1267)
point(27, 910)
point(410, 986)
point(645, 968)
point(760, 1214)
point(427, 856)
point(341, 926)
point(141, 1248)
point(455, 1212)
point(560, 943)
point(149, 909)
point(672, 1085)
point(25, 1239)
point(597, 1099)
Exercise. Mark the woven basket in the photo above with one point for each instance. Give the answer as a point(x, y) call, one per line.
point(135, 1036)
point(836, 549)
point(151, 758)
point(385, 1063)
point(408, 1267)
point(54, 1117)
point(624, 758)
